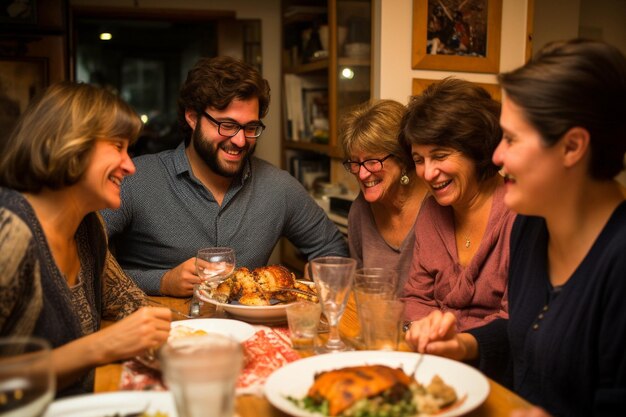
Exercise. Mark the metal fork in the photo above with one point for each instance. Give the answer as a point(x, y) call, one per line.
point(417, 365)
point(174, 311)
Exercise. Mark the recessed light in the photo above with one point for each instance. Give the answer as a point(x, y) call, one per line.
point(105, 36)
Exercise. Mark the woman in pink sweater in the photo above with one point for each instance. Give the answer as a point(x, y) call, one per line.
point(461, 255)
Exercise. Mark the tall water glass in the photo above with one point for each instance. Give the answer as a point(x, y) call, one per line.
point(333, 276)
point(201, 372)
point(27, 381)
point(370, 285)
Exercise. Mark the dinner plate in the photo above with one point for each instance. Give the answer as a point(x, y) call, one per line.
point(108, 404)
point(295, 378)
point(275, 314)
point(236, 329)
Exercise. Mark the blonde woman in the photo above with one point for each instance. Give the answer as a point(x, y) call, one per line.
point(64, 161)
point(381, 221)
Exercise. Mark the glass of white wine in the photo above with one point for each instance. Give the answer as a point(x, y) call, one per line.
point(27, 383)
point(214, 265)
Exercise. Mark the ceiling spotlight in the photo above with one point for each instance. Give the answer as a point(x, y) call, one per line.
point(144, 118)
point(105, 36)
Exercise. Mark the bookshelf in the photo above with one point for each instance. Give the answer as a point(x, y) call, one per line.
point(326, 70)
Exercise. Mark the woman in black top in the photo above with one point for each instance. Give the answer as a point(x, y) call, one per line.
point(563, 347)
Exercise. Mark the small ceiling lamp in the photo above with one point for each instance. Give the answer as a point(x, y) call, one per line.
point(105, 36)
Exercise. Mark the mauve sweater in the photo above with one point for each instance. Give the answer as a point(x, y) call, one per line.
point(476, 293)
point(370, 249)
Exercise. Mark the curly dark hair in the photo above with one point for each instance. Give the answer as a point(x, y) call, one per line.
point(216, 82)
point(457, 114)
point(576, 83)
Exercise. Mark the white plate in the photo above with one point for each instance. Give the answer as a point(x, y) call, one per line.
point(98, 405)
point(256, 314)
point(295, 378)
point(236, 329)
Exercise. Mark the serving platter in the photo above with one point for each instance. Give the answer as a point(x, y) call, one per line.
point(273, 314)
point(294, 379)
point(98, 405)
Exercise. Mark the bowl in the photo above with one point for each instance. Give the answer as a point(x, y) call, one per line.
point(357, 50)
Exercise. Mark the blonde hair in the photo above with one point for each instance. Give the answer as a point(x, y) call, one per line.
point(51, 143)
point(374, 127)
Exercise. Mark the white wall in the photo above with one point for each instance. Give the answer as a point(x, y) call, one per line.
point(396, 21)
point(268, 146)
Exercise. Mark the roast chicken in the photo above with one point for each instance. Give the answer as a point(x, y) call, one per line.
point(344, 387)
point(261, 287)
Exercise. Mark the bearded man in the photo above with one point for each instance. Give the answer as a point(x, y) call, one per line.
point(211, 191)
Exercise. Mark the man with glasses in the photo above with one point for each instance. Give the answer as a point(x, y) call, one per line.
point(211, 191)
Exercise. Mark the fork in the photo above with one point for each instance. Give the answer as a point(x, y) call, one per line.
point(174, 311)
point(417, 365)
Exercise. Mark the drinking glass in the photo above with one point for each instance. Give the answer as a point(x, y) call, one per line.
point(333, 277)
point(27, 381)
point(201, 372)
point(372, 284)
point(213, 265)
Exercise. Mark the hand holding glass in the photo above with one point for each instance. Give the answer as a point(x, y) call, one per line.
point(333, 277)
point(213, 265)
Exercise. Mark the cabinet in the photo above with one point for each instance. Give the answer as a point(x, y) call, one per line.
point(326, 70)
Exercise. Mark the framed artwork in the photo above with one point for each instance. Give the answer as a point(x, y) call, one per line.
point(457, 35)
point(420, 85)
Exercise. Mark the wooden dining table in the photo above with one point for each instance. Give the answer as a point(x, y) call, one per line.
point(500, 401)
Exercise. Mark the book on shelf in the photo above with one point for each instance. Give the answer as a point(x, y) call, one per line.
point(308, 168)
point(303, 99)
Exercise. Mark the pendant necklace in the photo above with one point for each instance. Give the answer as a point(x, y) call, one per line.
point(468, 242)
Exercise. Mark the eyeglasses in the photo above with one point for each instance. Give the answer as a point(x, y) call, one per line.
point(372, 165)
point(230, 129)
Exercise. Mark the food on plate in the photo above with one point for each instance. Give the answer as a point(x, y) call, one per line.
point(375, 390)
point(179, 332)
point(260, 287)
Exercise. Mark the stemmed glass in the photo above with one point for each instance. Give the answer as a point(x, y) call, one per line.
point(27, 381)
point(333, 276)
point(214, 265)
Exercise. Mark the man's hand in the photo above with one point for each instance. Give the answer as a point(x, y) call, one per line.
point(179, 281)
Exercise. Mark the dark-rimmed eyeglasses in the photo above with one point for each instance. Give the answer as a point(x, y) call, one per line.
point(230, 129)
point(372, 165)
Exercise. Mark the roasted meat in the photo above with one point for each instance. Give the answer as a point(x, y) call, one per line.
point(343, 387)
point(256, 288)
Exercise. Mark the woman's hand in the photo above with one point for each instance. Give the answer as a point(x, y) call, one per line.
point(436, 334)
point(145, 329)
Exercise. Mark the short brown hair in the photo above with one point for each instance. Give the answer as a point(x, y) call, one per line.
point(374, 127)
point(51, 142)
point(216, 82)
point(456, 114)
point(576, 83)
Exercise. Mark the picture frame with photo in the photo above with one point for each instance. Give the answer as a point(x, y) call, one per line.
point(457, 35)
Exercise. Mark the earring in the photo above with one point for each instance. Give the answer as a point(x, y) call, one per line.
point(404, 179)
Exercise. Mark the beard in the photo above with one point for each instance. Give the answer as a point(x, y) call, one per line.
point(208, 152)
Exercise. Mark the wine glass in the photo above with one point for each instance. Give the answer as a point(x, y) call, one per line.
point(27, 381)
point(333, 276)
point(214, 265)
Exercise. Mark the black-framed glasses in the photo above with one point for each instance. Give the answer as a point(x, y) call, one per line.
point(230, 129)
point(372, 165)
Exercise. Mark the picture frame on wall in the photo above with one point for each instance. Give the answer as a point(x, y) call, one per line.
point(457, 35)
point(420, 84)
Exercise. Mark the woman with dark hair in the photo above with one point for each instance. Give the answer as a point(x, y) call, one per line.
point(64, 161)
point(460, 260)
point(564, 141)
point(382, 218)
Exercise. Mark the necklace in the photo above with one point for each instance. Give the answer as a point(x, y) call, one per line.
point(468, 242)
